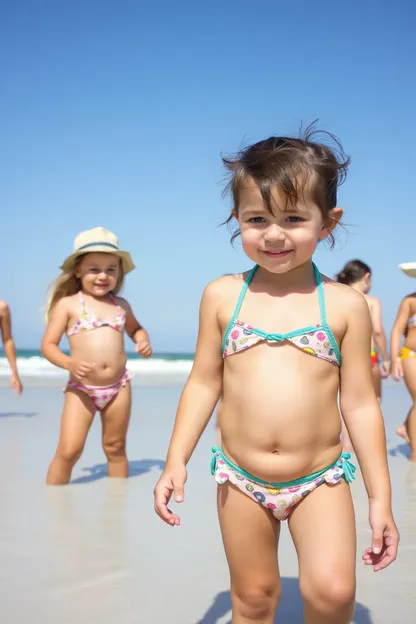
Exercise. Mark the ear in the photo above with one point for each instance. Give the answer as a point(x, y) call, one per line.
point(234, 214)
point(333, 218)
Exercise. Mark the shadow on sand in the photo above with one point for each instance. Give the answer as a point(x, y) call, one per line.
point(400, 449)
point(18, 414)
point(290, 607)
point(136, 468)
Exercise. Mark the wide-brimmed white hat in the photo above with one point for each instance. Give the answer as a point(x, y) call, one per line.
point(98, 240)
point(409, 268)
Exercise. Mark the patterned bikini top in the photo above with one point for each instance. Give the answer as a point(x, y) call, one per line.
point(88, 321)
point(317, 340)
point(412, 321)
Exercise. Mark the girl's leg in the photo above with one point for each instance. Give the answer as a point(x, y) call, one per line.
point(323, 531)
point(115, 420)
point(250, 534)
point(402, 431)
point(409, 371)
point(76, 421)
point(377, 381)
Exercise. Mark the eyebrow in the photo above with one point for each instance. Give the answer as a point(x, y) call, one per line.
point(96, 266)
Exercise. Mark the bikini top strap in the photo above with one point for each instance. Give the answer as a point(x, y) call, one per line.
point(238, 305)
point(321, 294)
point(244, 288)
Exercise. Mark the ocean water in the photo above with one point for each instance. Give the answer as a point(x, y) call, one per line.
point(31, 364)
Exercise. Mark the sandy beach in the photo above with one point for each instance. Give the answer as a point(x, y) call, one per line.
point(95, 551)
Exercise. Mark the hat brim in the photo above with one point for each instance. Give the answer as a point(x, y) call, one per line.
point(409, 268)
point(125, 257)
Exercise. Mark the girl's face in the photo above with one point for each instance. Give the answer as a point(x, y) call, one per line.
point(285, 239)
point(99, 273)
point(367, 283)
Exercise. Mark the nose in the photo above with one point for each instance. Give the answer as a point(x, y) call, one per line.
point(274, 233)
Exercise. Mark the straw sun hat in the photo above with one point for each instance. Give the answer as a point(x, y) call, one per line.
point(97, 240)
point(409, 268)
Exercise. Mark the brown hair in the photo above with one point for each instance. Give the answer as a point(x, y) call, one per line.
point(352, 272)
point(289, 163)
point(68, 284)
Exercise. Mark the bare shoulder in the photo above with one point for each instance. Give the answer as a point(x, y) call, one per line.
point(66, 304)
point(4, 308)
point(122, 302)
point(344, 297)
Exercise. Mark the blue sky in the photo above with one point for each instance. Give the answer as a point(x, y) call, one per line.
point(116, 113)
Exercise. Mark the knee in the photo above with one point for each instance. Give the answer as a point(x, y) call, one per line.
point(114, 449)
point(69, 453)
point(256, 602)
point(329, 595)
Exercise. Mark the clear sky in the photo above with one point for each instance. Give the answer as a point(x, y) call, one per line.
point(116, 113)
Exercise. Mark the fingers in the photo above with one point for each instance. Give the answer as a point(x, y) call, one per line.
point(84, 369)
point(162, 494)
point(377, 541)
point(178, 490)
point(144, 349)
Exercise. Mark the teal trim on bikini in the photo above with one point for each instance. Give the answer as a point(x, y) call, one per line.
point(296, 332)
point(238, 306)
point(322, 309)
point(342, 462)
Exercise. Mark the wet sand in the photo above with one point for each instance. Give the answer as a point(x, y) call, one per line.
point(95, 551)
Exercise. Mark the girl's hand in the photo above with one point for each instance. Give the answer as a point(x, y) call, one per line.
point(16, 384)
point(171, 480)
point(385, 540)
point(384, 369)
point(81, 370)
point(143, 348)
point(397, 370)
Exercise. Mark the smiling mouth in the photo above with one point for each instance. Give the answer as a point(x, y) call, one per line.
point(277, 254)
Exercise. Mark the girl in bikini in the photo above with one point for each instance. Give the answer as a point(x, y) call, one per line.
point(357, 274)
point(84, 305)
point(278, 343)
point(404, 359)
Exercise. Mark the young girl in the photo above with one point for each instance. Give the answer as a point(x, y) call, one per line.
point(277, 343)
point(357, 274)
point(9, 346)
point(404, 360)
point(85, 306)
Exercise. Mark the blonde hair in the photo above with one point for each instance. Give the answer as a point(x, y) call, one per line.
point(68, 284)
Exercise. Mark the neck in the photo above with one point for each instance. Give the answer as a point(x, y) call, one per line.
point(298, 278)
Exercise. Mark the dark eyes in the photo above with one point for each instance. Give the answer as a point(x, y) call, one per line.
point(97, 270)
point(289, 219)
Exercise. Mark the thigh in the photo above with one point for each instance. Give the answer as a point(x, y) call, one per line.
point(323, 531)
point(77, 417)
point(409, 372)
point(250, 534)
point(116, 416)
point(376, 375)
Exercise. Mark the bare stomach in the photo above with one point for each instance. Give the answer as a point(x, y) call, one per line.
point(104, 350)
point(410, 341)
point(280, 427)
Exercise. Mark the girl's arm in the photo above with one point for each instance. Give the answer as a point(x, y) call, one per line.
point(397, 332)
point(8, 345)
point(57, 324)
point(363, 418)
point(378, 330)
point(136, 331)
point(198, 400)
